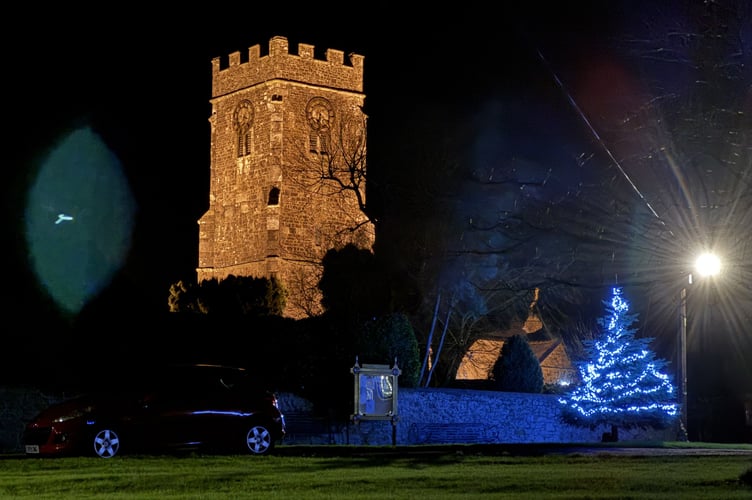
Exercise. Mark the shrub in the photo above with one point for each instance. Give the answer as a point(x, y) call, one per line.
point(517, 369)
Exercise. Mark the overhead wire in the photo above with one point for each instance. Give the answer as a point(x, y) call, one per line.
point(597, 136)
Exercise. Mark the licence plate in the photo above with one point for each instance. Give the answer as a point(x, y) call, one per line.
point(32, 448)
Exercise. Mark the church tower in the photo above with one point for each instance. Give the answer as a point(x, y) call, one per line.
point(288, 138)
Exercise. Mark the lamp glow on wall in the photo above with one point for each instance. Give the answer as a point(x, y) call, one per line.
point(706, 265)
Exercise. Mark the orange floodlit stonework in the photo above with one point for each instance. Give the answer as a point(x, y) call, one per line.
point(284, 129)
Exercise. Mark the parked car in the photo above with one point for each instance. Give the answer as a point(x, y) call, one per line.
point(188, 407)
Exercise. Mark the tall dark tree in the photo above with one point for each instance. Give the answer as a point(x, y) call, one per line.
point(353, 284)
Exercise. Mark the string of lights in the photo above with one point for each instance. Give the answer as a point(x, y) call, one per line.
point(622, 384)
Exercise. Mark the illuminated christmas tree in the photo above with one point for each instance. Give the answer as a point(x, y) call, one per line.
point(622, 384)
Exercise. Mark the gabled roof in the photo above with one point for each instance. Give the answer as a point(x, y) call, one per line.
point(480, 358)
point(542, 349)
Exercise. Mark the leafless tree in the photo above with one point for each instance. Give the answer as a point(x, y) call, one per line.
point(334, 166)
point(686, 144)
point(675, 124)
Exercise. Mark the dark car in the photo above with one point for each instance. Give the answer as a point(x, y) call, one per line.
point(187, 407)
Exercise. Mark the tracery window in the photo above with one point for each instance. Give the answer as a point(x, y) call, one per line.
point(242, 122)
point(320, 117)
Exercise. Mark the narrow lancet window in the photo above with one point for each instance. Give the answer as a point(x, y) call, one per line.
point(273, 196)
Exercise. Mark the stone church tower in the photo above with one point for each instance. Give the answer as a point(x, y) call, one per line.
point(288, 138)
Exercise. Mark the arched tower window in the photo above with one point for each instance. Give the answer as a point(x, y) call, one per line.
point(242, 122)
point(320, 117)
point(273, 196)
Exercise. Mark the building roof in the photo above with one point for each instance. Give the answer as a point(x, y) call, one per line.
point(478, 362)
point(480, 358)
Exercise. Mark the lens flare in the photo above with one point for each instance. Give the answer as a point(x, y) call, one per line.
point(79, 217)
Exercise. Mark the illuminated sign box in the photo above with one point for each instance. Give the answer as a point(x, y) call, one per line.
point(375, 392)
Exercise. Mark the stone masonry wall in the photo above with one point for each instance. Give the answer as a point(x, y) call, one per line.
point(291, 104)
point(280, 63)
point(17, 406)
point(451, 416)
point(426, 416)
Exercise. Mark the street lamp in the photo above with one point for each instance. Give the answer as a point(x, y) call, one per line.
point(706, 265)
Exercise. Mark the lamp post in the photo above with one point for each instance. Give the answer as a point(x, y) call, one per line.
point(706, 265)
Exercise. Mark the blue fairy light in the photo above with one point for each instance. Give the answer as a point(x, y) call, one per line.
point(622, 384)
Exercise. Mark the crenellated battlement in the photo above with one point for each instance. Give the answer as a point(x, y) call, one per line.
point(279, 63)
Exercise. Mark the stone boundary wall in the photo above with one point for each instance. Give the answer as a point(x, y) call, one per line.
point(426, 416)
point(18, 405)
point(451, 416)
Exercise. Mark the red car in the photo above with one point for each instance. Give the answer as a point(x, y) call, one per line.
point(202, 407)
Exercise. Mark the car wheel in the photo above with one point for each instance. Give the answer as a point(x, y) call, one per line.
point(106, 443)
point(259, 440)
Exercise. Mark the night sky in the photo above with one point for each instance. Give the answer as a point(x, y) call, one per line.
point(140, 83)
point(131, 88)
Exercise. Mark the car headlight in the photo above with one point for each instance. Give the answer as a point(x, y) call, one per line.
point(78, 413)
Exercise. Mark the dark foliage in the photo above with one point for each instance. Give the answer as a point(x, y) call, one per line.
point(318, 363)
point(517, 369)
point(234, 295)
point(388, 339)
point(353, 284)
point(746, 478)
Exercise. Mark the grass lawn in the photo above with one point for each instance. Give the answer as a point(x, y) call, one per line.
point(450, 474)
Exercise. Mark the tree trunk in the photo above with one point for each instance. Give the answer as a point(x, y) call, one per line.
point(611, 437)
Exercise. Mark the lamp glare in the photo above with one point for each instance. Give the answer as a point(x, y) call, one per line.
point(708, 264)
